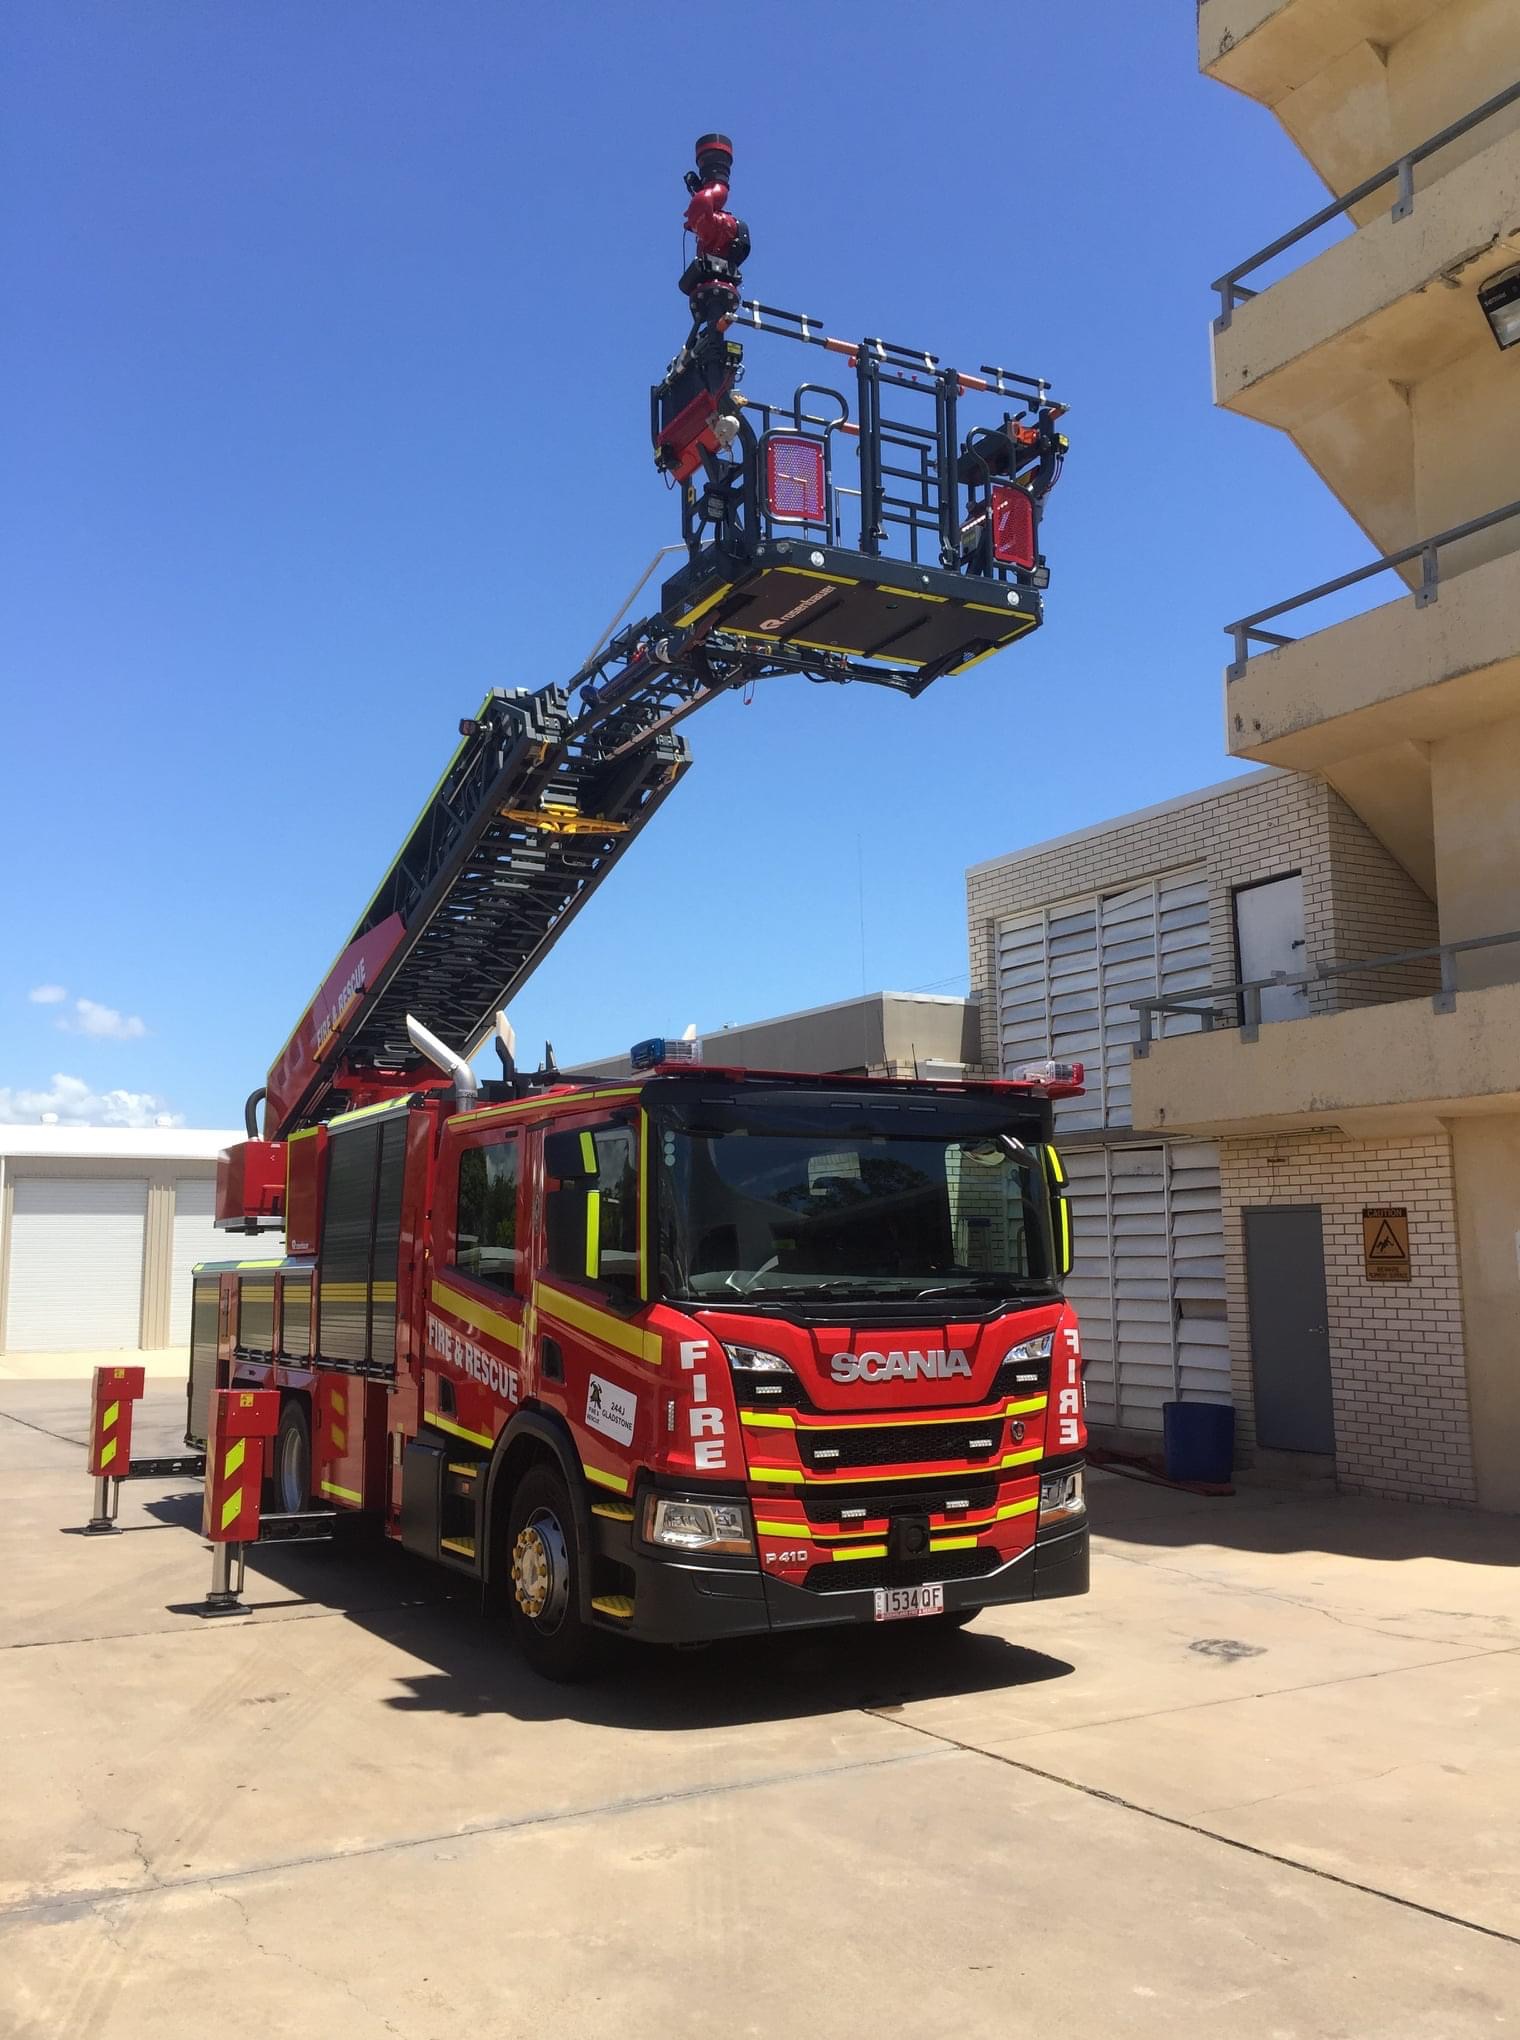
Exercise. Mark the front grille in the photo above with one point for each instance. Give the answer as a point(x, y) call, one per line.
point(835, 1576)
point(899, 1444)
point(931, 1497)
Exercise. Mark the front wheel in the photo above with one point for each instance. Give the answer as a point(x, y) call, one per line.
point(544, 1579)
point(290, 1485)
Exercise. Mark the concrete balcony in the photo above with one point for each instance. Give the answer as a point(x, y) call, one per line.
point(1371, 703)
point(1356, 82)
point(1373, 1070)
point(1377, 361)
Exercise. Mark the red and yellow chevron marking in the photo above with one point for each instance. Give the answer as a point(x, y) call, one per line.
point(241, 1419)
point(115, 1391)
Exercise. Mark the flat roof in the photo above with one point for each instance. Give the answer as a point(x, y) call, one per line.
point(119, 1143)
point(1143, 814)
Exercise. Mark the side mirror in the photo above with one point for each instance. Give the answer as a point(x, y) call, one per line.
point(570, 1158)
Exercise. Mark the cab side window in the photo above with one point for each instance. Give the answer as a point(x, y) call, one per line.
point(485, 1225)
point(592, 1225)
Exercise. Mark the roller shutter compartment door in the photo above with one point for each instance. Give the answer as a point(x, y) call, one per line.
point(76, 1264)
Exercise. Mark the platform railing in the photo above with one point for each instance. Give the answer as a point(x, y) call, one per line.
point(1400, 171)
point(1248, 631)
point(1243, 997)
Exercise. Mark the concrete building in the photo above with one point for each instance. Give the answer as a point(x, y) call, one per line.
point(99, 1229)
point(880, 1034)
point(1382, 358)
point(1297, 1168)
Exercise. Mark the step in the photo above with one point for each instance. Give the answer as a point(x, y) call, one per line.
point(618, 1605)
point(462, 1547)
point(615, 1512)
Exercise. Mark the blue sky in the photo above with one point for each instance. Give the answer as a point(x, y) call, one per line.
point(327, 364)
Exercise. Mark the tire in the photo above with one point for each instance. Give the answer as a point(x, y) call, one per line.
point(290, 1483)
point(542, 1566)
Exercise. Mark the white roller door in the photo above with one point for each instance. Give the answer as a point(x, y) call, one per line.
point(76, 1264)
point(1147, 1278)
point(195, 1239)
point(1067, 974)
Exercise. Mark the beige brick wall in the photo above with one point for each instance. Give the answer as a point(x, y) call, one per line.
point(1357, 900)
point(1398, 1367)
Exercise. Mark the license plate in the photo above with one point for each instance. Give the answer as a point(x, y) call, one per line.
point(895, 1604)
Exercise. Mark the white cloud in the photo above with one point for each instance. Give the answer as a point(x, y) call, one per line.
point(47, 995)
point(104, 1022)
point(77, 1105)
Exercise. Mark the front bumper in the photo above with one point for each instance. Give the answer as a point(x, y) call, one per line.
point(680, 1600)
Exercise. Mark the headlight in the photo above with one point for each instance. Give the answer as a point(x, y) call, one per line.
point(684, 1524)
point(755, 1360)
point(1037, 1348)
point(1063, 1498)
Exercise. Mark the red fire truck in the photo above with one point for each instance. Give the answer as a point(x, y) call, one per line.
point(710, 1351)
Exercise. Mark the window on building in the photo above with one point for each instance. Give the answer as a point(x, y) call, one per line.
point(592, 1226)
point(485, 1226)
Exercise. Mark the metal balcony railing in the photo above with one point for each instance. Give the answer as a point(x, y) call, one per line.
point(1233, 292)
point(1244, 996)
point(1427, 551)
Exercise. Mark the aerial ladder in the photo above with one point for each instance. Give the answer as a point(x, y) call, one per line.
point(880, 526)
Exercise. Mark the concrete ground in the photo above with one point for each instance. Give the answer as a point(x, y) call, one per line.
point(1262, 1782)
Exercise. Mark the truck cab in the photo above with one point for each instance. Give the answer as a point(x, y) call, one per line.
point(708, 1353)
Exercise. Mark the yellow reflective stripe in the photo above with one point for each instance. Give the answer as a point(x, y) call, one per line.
point(811, 574)
point(808, 1533)
point(1066, 1256)
point(344, 1494)
point(494, 1113)
point(588, 1151)
point(780, 1420)
point(110, 1416)
point(231, 1507)
point(951, 1544)
point(601, 1324)
point(367, 1112)
point(865, 1551)
point(339, 1402)
point(234, 1460)
point(914, 594)
point(108, 1452)
point(1024, 1508)
point(857, 1474)
point(593, 1229)
point(458, 1430)
point(478, 1316)
point(339, 1438)
point(701, 609)
point(802, 1530)
point(612, 1480)
point(344, 1292)
point(383, 1292)
point(1054, 1164)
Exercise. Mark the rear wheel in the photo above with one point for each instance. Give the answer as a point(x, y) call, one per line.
point(291, 1483)
point(543, 1563)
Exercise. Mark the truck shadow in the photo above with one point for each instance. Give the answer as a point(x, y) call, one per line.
point(1278, 1522)
point(468, 1666)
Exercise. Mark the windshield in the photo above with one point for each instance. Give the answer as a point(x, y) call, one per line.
point(754, 1214)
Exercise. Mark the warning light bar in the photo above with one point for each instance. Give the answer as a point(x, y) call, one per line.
point(647, 1055)
point(1049, 1073)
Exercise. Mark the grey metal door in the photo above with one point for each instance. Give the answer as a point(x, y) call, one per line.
point(1290, 1327)
point(1269, 937)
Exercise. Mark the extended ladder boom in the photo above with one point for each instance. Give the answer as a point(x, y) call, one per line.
point(547, 789)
